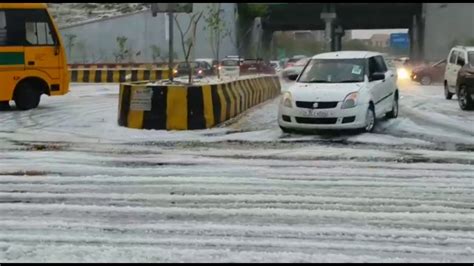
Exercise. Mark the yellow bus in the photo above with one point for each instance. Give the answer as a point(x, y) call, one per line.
point(32, 56)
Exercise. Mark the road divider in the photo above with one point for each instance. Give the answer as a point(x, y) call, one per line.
point(121, 65)
point(143, 105)
point(107, 75)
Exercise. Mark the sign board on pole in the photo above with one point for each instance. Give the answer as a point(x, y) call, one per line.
point(399, 40)
point(171, 7)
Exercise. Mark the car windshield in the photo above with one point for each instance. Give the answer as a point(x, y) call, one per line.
point(333, 71)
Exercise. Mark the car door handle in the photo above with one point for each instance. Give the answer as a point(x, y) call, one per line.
point(31, 63)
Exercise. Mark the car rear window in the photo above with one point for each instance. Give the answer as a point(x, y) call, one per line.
point(250, 62)
point(230, 63)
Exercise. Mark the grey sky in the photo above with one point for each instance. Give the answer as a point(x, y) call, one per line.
point(366, 34)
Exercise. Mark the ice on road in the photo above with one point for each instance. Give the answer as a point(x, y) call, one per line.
point(76, 187)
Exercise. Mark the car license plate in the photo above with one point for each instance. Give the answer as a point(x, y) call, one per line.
point(317, 113)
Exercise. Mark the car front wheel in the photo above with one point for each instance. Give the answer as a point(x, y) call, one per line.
point(394, 112)
point(464, 99)
point(370, 120)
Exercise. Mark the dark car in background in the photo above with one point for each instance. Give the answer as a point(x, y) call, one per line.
point(255, 66)
point(212, 62)
point(201, 69)
point(465, 85)
point(427, 74)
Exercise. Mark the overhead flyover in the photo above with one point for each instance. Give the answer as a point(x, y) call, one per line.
point(337, 17)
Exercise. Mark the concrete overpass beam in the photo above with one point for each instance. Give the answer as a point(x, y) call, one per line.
point(415, 39)
point(266, 47)
point(329, 18)
point(338, 33)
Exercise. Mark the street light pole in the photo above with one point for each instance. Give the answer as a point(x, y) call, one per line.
point(170, 49)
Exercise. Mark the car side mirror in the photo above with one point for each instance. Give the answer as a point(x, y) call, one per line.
point(293, 77)
point(377, 76)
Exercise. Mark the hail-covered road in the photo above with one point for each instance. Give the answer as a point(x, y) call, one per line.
point(75, 187)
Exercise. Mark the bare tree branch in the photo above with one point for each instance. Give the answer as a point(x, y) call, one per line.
point(188, 43)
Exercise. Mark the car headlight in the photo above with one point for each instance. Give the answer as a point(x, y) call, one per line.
point(402, 73)
point(350, 101)
point(286, 100)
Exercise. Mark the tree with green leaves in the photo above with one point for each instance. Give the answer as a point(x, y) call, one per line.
point(188, 39)
point(122, 51)
point(217, 28)
point(286, 41)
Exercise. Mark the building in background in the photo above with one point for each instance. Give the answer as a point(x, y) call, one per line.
point(96, 41)
point(380, 40)
point(317, 35)
point(446, 25)
point(377, 40)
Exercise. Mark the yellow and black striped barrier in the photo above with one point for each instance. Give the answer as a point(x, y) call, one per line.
point(107, 75)
point(176, 107)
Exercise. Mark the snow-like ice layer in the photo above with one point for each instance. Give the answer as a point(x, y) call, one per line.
point(89, 114)
point(97, 192)
point(206, 80)
point(97, 203)
point(67, 14)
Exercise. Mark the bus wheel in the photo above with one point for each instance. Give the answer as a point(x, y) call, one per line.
point(26, 96)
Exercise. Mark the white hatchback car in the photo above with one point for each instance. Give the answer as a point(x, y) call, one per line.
point(340, 90)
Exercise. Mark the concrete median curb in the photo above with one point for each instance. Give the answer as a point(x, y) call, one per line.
point(108, 75)
point(118, 65)
point(182, 107)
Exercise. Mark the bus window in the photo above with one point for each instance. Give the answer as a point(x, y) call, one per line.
point(27, 27)
point(38, 33)
point(3, 28)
